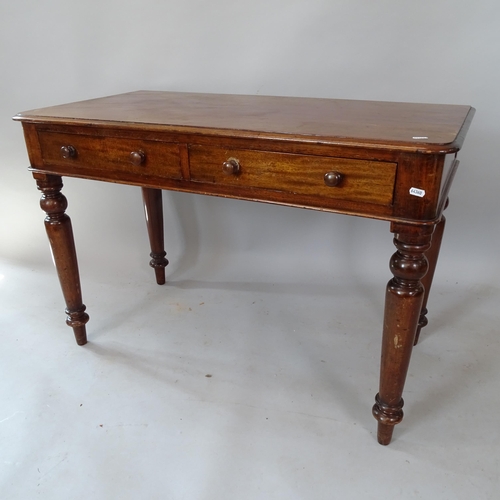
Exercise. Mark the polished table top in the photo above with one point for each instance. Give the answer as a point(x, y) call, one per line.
point(404, 126)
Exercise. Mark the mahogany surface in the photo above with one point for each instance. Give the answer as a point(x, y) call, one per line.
point(390, 161)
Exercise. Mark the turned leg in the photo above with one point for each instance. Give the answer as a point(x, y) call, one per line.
point(60, 233)
point(403, 304)
point(153, 209)
point(432, 257)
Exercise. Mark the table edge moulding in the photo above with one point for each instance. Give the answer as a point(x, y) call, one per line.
point(382, 160)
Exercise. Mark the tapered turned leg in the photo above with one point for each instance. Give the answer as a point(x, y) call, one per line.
point(60, 233)
point(153, 209)
point(403, 304)
point(432, 257)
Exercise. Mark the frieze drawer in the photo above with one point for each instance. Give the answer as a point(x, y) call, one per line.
point(108, 155)
point(340, 178)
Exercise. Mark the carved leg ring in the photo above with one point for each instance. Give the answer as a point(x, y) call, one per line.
point(60, 233)
point(153, 210)
point(403, 304)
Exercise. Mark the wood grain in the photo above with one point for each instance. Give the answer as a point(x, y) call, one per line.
point(364, 181)
point(110, 154)
point(408, 126)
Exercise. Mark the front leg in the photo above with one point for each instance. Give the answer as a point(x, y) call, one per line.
point(60, 233)
point(403, 304)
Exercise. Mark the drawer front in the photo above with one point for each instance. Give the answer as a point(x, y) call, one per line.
point(349, 179)
point(110, 154)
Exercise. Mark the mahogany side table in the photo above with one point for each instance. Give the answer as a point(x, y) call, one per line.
point(382, 160)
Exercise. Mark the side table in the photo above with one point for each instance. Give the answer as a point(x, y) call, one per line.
point(381, 160)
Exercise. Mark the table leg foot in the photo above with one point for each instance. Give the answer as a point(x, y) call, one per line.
point(384, 434)
point(387, 416)
point(80, 334)
point(422, 323)
point(159, 273)
point(77, 320)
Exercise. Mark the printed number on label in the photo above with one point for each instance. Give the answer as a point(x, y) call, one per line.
point(417, 192)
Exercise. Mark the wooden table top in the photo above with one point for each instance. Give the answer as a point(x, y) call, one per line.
point(427, 128)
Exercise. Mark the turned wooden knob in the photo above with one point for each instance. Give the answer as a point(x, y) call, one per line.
point(333, 179)
point(68, 152)
point(137, 157)
point(231, 167)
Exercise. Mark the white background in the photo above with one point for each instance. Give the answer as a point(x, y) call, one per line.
point(58, 51)
point(431, 51)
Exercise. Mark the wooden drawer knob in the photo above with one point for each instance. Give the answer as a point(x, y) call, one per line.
point(333, 179)
point(231, 167)
point(68, 152)
point(137, 157)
